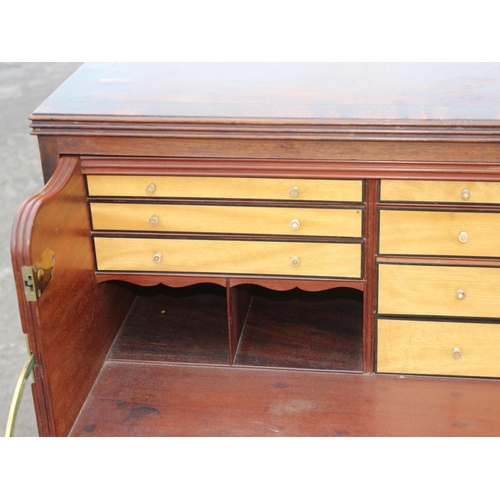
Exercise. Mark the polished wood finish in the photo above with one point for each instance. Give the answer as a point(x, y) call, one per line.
point(411, 232)
point(235, 135)
point(427, 347)
point(229, 256)
point(321, 330)
point(183, 325)
point(239, 299)
point(370, 263)
point(227, 219)
point(281, 283)
point(145, 399)
point(466, 192)
point(432, 290)
point(72, 325)
point(304, 168)
point(225, 187)
point(429, 94)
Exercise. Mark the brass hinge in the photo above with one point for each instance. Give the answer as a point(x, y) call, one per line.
point(38, 276)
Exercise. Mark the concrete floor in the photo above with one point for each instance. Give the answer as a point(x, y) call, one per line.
point(23, 87)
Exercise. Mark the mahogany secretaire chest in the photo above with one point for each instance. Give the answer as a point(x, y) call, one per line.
point(265, 250)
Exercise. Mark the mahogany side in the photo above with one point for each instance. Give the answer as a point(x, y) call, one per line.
point(135, 399)
point(73, 323)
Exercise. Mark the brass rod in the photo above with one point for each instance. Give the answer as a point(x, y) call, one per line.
point(18, 395)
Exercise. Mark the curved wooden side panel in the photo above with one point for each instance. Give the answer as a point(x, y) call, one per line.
point(73, 323)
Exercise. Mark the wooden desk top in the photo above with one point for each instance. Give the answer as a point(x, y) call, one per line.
point(277, 92)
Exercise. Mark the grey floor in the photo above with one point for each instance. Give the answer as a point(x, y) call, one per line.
point(23, 86)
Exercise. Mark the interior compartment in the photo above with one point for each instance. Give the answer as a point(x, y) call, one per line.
point(181, 325)
point(249, 326)
point(298, 329)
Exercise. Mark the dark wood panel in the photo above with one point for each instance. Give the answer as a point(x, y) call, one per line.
point(287, 149)
point(49, 154)
point(239, 299)
point(370, 273)
point(137, 399)
point(341, 91)
point(296, 329)
point(186, 325)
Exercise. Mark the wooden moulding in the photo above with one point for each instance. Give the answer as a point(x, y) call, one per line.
point(308, 168)
point(300, 130)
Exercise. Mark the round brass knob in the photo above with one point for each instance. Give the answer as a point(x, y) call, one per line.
point(153, 220)
point(465, 194)
point(294, 192)
point(295, 261)
point(460, 295)
point(294, 224)
point(463, 237)
point(151, 188)
point(456, 353)
point(157, 257)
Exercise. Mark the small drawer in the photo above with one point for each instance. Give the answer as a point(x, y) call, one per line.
point(440, 191)
point(227, 219)
point(431, 290)
point(225, 188)
point(439, 233)
point(438, 348)
point(228, 256)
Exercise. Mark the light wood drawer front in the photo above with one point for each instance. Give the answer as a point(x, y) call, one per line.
point(223, 219)
point(469, 234)
point(229, 256)
point(436, 290)
point(432, 348)
point(225, 187)
point(440, 191)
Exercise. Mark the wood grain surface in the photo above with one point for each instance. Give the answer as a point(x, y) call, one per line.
point(227, 219)
point(72, 325)
point(320, 330)
point(440, 191)
point(424, 232)
point(225, 187)
point(184, 325)
point(307, 91)
point(143, 399)
point(431, 290)
point(229, 256)
point(427, 347)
